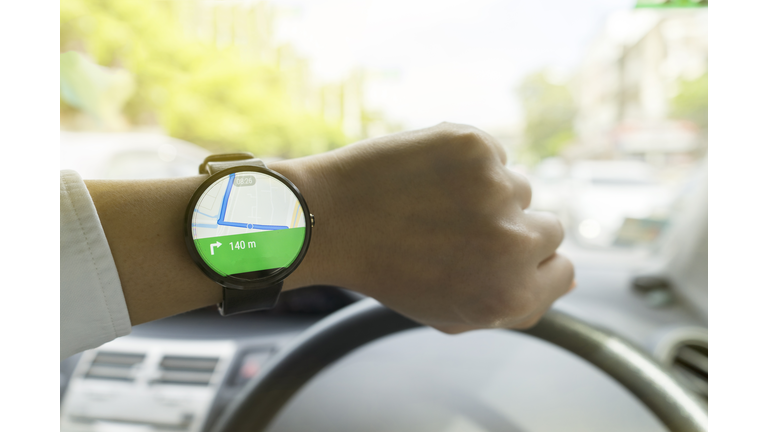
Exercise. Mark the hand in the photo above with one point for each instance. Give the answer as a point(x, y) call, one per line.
point(433, 225)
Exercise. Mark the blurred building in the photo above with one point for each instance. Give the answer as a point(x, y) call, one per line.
point(625, 85)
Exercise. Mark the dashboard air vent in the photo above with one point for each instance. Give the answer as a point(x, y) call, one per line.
point(689, 364)
point(186, 370)
point(114, 366)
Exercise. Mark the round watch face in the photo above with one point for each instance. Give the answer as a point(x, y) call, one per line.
point(247, 225)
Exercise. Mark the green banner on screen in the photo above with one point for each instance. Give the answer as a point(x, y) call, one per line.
point(242, 253)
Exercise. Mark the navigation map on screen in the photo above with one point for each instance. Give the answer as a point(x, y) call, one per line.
point(248, 221)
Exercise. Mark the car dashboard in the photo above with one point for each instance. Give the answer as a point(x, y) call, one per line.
point(179, 373)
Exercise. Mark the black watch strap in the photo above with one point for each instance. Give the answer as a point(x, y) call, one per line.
point(241, 300)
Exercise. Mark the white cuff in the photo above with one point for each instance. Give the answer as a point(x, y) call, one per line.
point(93, 309)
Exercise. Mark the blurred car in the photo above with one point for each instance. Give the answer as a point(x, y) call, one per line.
point(602, 195)
point(549, 180)
point(179, 373)
point(133, 155)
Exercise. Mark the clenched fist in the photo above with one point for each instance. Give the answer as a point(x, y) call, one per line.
point(432, 224)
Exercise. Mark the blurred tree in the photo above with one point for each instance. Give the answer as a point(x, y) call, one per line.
point(671, 4)
point(549, 111)
point(196, 91)
point(96, 90)
point(691, 103)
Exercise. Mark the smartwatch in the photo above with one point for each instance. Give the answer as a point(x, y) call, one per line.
point(247, 228)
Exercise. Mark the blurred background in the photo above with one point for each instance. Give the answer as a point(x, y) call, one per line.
point(602, 103)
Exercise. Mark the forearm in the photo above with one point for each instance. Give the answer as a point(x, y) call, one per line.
point(144, 224)
point(430, 222)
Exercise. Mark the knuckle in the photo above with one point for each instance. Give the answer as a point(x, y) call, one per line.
point(528, 241)
point(470, 140)
point(493, 187)
point(469, 134)
point(489, 192)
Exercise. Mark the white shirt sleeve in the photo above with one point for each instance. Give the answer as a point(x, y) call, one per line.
point(93, 309)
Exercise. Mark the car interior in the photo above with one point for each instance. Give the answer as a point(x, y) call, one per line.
point(627, 350)
point(184, 371)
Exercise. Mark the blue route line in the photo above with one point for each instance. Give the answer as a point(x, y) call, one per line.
point(223, 212)
point(214, 226)
point(216, 216)
point(224, 202)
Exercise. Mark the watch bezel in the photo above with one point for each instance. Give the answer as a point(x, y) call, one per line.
point(230, 281)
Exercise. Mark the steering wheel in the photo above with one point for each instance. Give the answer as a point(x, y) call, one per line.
point(367, 320)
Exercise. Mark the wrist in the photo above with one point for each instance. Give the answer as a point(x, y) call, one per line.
point(310, 175)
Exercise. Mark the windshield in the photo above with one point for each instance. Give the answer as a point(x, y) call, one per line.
point(603, 100)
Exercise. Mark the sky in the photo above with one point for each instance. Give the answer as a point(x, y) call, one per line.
point(430, 61)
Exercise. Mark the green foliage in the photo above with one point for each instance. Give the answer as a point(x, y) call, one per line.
point(549, 112)
point(671, 3)
point(197, 91)
point(692, 102)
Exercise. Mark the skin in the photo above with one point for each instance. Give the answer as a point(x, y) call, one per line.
point(429, 222)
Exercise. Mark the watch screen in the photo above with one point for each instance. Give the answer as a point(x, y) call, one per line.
point(248, 222)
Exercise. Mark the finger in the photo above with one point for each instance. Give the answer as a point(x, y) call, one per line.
point(453, 329)
point(531, 320)
point(555, 277)
point(549, 233)
point(555, 280)
point(534, 318)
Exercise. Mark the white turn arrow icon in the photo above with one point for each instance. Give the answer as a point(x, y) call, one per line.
point(217, 244)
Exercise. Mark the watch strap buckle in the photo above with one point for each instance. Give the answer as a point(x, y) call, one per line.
point(215, 163)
